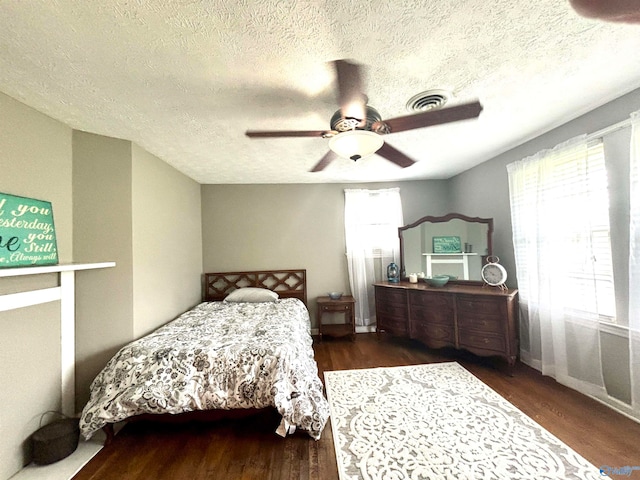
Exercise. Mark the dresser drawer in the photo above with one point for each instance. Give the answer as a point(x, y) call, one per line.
point(482, 323)
point(391, 295)
point(336, 307)
point(391, 309)
point(434, 335)
point(392, 324)
point(481, 341)
point(480, 305)
point(427, 315)
point(433, 300)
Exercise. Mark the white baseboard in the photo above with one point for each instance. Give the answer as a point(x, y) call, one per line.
point(365, 329)
point(67, 467)
point(359, 329)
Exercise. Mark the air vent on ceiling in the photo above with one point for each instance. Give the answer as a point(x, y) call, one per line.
point(428, 100)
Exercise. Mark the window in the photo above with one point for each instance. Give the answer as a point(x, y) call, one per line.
point(376, 221)
point(371, 221)
point(560, 217)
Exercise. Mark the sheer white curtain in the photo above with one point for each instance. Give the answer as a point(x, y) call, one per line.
point(634, 263)
point(371, 221)
point(560, 218)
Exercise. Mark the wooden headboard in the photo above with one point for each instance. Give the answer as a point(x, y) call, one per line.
point(287, 283)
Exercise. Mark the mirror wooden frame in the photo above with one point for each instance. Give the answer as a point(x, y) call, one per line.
point(446, 218)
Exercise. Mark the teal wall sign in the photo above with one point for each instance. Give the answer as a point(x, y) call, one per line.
point(27, 233)
point(448, 244)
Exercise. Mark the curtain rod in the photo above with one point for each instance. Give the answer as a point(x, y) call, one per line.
point(609, 129)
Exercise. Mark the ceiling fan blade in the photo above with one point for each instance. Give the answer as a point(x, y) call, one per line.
point(395, 156)
point(350, 97)
point(433, 117)
point(324, 161)
point(287, 133)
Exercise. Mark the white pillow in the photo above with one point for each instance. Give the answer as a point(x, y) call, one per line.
point(252, 295)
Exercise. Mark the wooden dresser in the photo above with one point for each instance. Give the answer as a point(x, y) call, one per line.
point(479, 319)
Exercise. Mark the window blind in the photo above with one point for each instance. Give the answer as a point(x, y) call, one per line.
point(561, 205)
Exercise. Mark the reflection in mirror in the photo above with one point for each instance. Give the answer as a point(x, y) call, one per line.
point(453, 244)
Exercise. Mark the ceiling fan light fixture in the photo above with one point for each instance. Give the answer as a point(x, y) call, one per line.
point(341, 123)
point(355, 144)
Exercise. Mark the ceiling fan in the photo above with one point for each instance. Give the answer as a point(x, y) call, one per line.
point(357, 128)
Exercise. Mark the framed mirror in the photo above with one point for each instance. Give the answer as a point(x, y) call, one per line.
point(453, 244)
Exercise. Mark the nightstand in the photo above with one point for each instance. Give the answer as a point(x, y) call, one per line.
point(346, 305)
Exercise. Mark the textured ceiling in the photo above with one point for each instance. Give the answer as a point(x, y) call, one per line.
point(184, 79)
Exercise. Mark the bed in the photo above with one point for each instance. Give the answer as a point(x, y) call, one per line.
point(239, 350)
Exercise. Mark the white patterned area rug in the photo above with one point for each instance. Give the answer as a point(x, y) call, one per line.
point(438, 421)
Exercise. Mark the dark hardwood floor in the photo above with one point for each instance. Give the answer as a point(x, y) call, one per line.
point(249, 448)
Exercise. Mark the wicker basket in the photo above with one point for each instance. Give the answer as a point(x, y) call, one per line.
point(55, 441)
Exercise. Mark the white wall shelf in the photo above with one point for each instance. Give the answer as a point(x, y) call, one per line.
point(65, 267)
point(455, 258)
point(65, 292)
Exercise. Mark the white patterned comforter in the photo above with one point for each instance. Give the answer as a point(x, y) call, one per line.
point(216, 356)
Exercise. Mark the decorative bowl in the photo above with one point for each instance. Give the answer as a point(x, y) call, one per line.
point(335, 295)
point(437, 280)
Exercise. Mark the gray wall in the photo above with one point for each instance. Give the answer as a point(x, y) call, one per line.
point(102, 232)
point(258, 227)
point(129, 207)
point(484, 191)
point(167, 242)
point(35, 161)
point(112, 201)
